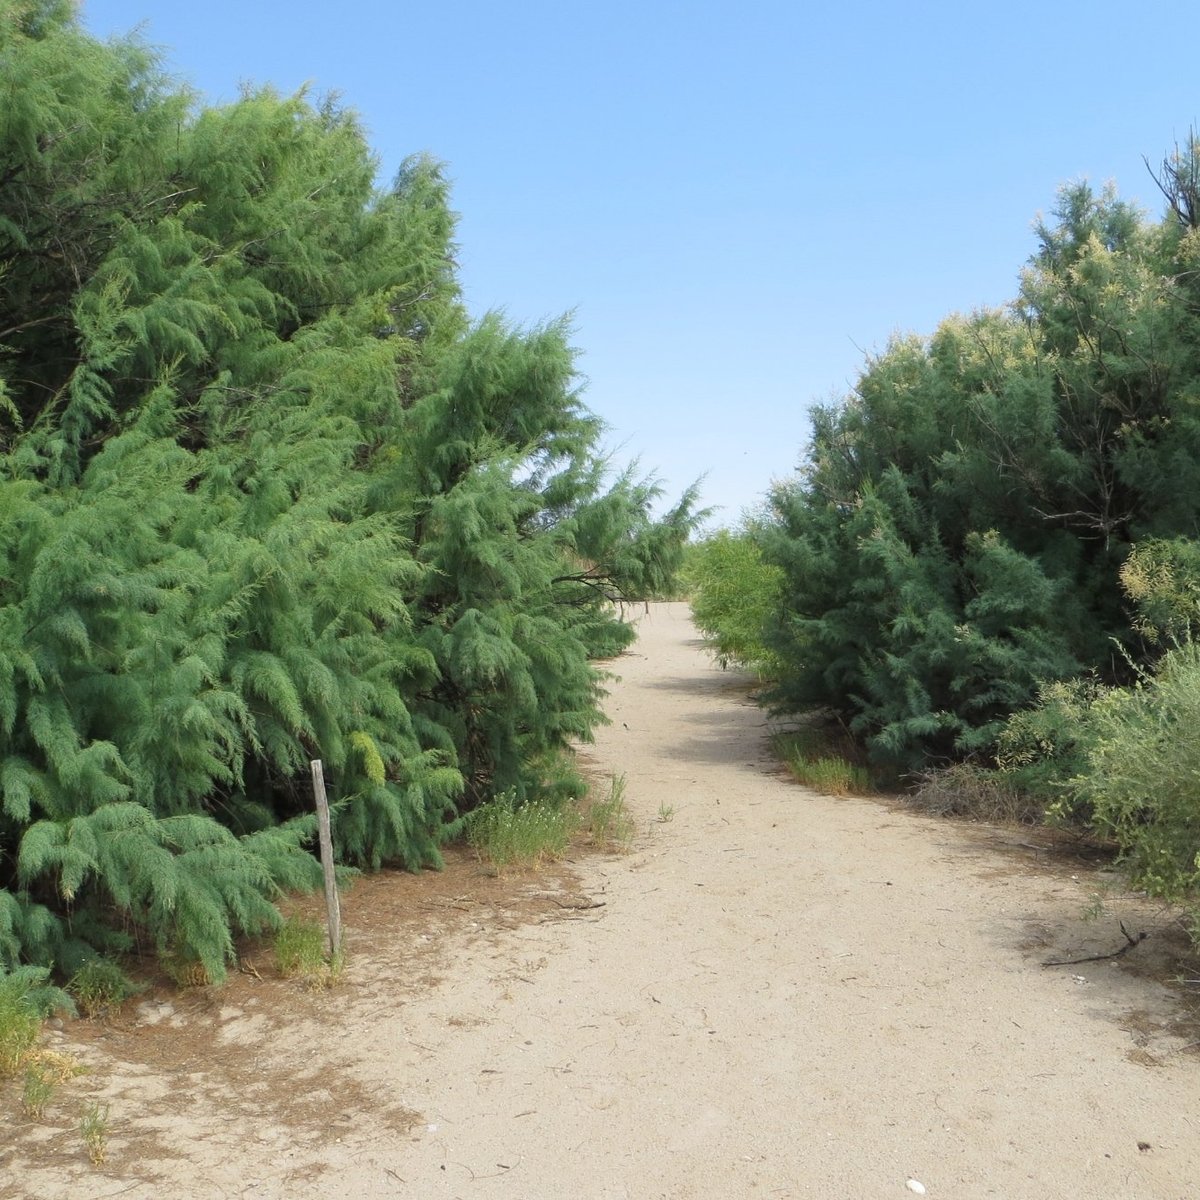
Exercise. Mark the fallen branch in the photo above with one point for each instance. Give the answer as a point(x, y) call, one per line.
point(1130, 942)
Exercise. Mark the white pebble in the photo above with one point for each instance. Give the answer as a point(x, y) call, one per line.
point(915, 1185)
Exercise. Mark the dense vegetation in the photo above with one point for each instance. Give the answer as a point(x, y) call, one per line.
point(957, 535)
point(991, 551)
point(267, 493)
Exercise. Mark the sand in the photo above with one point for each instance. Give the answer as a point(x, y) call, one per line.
point(773, 994)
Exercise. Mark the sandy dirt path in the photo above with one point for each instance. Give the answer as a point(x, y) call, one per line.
point(775, 994)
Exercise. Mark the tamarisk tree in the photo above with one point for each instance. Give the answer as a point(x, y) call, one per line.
point(267, 493)
point(956, 534)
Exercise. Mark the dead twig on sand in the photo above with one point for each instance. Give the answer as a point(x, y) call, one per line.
point(1130, 942)
point(581, 903)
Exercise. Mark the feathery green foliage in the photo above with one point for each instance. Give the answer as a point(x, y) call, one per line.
point(267, 493)
point(992, 552)
point(957, 536)
point(735, 597)
point(1139, 783)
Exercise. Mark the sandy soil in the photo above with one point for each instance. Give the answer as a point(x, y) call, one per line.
point(775, 994)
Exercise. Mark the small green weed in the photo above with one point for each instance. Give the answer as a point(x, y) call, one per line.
point(93, 1128)
point(508, 834)
point(666, 812)
point(300, 951)
point(609, 821)
point(99, 985)
point(38, 1090)
point(1096, 907)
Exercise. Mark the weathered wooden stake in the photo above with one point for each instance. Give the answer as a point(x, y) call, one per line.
point(332, 908)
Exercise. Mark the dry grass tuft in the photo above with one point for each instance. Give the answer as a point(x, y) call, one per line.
point(976, 794)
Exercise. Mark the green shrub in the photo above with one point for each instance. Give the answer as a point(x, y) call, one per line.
point(267, 493)
point(972, 520)
point(1141, 779)
point(1041, 748)
point(1162, 579)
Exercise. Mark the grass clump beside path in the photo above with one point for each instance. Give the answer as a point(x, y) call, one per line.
point(609, 821)
point(507, 834)
point(99, 986)
point(24, 1000)
point(812, 762)
point(300, 953)
point(20, 1025)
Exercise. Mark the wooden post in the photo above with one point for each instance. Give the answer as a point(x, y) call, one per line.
point(332, 907)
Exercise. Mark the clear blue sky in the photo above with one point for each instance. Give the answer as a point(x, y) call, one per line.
point(735, 200)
